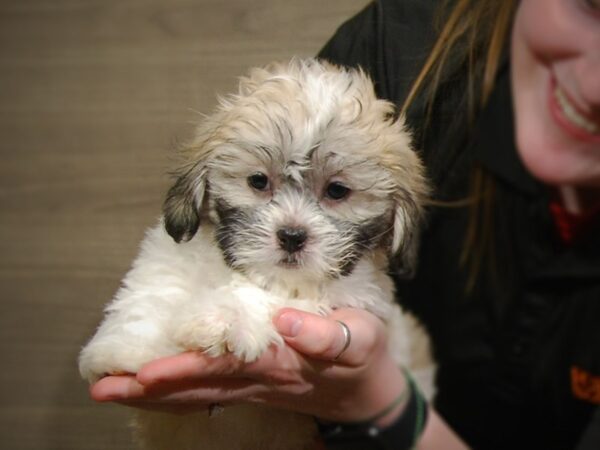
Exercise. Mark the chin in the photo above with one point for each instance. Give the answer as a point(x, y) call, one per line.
point(299, 191)
point(556, 159)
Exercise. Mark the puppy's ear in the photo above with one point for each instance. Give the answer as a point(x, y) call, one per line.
point(410, 195)
point(181, 208)
point(408, 216)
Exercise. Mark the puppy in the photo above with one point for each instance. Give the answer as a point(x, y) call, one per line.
point(297, 192)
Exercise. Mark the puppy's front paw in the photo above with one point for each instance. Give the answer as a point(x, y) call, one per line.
point(218, 332)
point(206, 330)
point(248, 341)
point(123, 348)
point(99, 359)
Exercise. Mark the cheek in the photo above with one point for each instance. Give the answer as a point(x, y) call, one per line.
point(544, 45)
point(530, 77)
point(546, 29)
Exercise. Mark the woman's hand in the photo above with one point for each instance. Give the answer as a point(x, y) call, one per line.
point(301, 376)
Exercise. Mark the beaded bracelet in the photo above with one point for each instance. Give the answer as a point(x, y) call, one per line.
point(403, 434)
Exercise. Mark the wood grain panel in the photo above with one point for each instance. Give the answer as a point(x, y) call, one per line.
point(94, 94)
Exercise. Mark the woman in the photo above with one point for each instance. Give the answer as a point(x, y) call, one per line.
point(509, 278)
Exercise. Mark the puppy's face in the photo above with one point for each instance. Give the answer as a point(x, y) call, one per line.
point(302, 174)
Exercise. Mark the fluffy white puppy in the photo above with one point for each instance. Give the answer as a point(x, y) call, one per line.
point(296, 192)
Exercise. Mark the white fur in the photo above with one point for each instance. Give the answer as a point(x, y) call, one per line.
point(183, 296)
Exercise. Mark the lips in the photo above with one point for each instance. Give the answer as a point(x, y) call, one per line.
point(571, 118)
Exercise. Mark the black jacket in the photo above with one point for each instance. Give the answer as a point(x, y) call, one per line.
point(519, 357)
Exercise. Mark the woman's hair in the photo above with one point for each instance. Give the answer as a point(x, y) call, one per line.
point(473, 36)
point(472, 33)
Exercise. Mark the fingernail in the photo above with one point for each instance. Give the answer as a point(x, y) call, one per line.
point(289, 324)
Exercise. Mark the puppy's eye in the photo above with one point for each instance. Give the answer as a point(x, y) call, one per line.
point(258, 181)
point(337, 191)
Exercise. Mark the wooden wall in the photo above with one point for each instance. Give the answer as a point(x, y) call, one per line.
point(94, 95)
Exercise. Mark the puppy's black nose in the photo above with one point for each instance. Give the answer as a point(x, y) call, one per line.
point(291, 239)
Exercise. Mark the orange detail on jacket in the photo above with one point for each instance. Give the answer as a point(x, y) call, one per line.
point(585, 386)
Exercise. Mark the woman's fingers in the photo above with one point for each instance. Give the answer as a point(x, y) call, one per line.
point(188, 366)
point(127, 390)
point(114, 388)
point(223, 391)
point(193, 367)
point(316, 337)
point(321, 359)
point(349, 342)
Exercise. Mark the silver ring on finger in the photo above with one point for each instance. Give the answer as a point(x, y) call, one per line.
point(347, 339)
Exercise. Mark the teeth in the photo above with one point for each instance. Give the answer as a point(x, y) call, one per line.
point(573, 115)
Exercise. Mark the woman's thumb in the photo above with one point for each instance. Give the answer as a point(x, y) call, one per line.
point(316, 336)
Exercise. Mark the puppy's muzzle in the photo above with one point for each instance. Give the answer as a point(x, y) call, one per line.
point(292, 239)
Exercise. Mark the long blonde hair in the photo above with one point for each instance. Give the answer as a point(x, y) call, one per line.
point(473, 35)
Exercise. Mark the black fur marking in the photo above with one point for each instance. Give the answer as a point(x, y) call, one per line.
point(231, 222)
point(367, 237)
point(181, 216)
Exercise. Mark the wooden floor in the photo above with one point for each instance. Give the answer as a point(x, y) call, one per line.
point(94, 94)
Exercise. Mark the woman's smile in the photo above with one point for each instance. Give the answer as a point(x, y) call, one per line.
point(571, 117)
